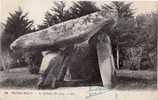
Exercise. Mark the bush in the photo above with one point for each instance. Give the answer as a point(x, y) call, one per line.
point(144, 35)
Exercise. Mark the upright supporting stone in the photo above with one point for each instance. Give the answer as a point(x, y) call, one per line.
point(105, 59)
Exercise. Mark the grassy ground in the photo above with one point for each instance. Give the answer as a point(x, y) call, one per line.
point(19, 78)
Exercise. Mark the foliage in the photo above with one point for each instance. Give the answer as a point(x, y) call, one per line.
point(58, 13)
point(147, 37)
point(129, 32)
point(123, 10)
point(82, 8)
point(123, 31)
point(139, 32)
point(122, 34)
point(17, 24)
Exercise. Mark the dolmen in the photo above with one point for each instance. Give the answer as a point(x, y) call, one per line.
point(77, 48)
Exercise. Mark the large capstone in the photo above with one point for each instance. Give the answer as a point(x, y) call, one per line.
point(66, 33)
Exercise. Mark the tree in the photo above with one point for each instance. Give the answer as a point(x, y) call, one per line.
point(56, 15)
point(147, 37)
point(82, 8)
point(122, 9)
point(17, 24)
point(137, 35)
point(123, 33)
point(125, 20)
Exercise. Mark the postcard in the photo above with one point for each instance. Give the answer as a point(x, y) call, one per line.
point(78, 50)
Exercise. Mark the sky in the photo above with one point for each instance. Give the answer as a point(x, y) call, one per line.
point(37, 8)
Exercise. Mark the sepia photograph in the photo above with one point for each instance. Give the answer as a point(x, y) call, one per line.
point(65, 45)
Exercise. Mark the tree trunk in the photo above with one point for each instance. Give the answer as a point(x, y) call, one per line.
point(117, 53)
point(1, 58)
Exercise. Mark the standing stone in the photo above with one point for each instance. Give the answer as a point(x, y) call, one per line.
point(105, 59)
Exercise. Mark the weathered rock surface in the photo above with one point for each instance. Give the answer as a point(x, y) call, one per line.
point(66, 33)
point(105, 59)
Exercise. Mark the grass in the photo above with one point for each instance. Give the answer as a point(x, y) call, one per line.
point(20, 78)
